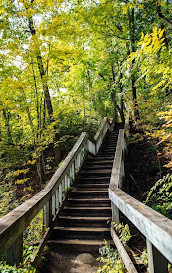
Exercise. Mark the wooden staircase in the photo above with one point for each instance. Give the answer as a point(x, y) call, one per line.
point(84, 222)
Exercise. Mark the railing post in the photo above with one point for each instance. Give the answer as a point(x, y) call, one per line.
point(60, 194)
point(157, 263)
point(54, 205)
point(57, 199)
point(15, 252)
point(47, 214)
point(115, 213)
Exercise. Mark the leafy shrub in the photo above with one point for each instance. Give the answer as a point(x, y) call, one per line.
point(111, 260)
point(160, 196)
point(109, 256)
point(123, 231)
point(5, 268)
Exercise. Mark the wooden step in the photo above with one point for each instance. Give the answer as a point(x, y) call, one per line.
point(98, 179)
point(76, 245)
point(84, 229)
point(87, 211)
point(101, 158)
point(91, 189)
point(90, 233)
point(88, 191)
point(93, 202)
point(97, 171)
point(78, 221)
point(99, 185)
point(99, 162)
point(98, 166)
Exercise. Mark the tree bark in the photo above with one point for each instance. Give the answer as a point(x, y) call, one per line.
point(7, 125)
point(113, 97)
point(165, 19)
point(133, 79)
point(42, 72)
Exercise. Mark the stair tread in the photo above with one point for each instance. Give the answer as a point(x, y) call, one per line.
point(98, 171)
point(87, 208)
point(90, 185)
point(95, 178)
point(85, 218)
point(87, 191)
point(89, 199)
point(85, 229)
point(78, 242)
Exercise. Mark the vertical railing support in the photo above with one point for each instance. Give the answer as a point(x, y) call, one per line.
point(57, 199)
point(47, 214)
point(115, 213)
point(157, 263)
point(15, 252)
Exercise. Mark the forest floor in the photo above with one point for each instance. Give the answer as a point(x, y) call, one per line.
point(146, 163)
point(68, 263)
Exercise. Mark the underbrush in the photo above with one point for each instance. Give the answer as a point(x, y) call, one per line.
point(110, 257)
point(160, 196)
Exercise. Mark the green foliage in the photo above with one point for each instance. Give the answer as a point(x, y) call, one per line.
point(4, 268)
point(109, 256)
point(111, 260)
point(144, 257)
point(123, 231)
point(28, 255)
point(160, 196)
point(34, 231)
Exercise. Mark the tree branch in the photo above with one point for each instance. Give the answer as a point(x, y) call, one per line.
point(162, 16)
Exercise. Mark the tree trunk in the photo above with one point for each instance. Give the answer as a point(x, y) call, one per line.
point(7, 125)
point(42, 72)
point(134, 98)
point(113, 97)
point(133, 79)
point(43, 76)
point(122, 98)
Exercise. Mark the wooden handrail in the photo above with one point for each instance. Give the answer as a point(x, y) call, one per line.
point(118, 168)
point(101, 128)
point(104, 127)
point(17, 221)
point(154, 226)
point(52, 196)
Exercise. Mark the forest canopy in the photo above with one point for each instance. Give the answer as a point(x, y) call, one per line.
point(64, 65)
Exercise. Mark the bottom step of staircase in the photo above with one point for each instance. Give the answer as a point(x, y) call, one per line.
point(77, 245)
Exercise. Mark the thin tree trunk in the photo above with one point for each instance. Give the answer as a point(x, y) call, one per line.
point(113, 97)
point(133, 80)
point(42, 72)
point(122, 98)
point(43, 76)
point(7, 125)
point(37, 102)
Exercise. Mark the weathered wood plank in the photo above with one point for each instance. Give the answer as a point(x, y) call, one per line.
point(157, 263)
point(104, 127)
point(115, 213)
point(118, 169)
point(15, 252)
point(153, 225)
point(101, 128)
point(123, 253)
